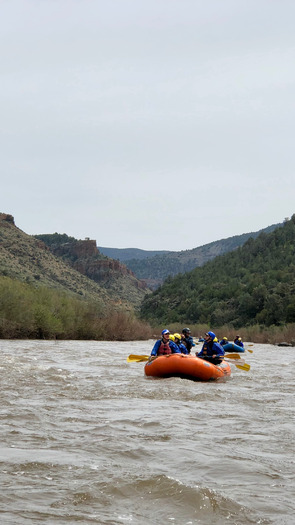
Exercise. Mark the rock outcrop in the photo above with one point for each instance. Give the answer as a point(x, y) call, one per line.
point(62, 262)
point(85, 257)
point(5, 217)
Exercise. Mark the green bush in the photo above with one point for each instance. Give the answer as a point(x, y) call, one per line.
point(43, 313)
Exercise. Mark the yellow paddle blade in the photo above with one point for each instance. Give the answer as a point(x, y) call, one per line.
point(244, 367)
point(240, 361)
point(133, 358)
point(233, 356)
point(248, 350)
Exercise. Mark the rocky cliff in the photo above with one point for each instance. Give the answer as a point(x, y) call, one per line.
point(75, 266)
point(84, 256)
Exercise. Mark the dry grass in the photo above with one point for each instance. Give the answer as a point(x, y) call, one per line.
point(254, 334)
point(119, 326)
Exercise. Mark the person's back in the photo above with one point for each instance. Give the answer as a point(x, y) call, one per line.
point(187, 339)
point(223, 341)
point(165, 346)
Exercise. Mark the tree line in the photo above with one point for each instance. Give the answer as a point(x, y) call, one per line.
point(255, 284)
point(163, 265)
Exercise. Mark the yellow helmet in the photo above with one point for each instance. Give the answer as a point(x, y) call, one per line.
point(177, 336)
point(171, 337)
point(225, 338)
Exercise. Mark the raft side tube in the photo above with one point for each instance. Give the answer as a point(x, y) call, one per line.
point(231, 347)
point(186, 367)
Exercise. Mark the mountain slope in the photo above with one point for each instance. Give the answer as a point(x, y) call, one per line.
point(155, 267)
point(125, 254)
point(84, 256)
point(27, 259)
point(253, 284)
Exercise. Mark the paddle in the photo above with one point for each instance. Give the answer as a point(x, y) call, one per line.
point(248, 349)
point(240, 361)
point(233, 356)
point(134, 358)
point(242, 365)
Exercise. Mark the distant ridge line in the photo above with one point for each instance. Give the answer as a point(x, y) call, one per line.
point(126, 254)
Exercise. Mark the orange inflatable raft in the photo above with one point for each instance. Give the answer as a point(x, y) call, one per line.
point(186, 367)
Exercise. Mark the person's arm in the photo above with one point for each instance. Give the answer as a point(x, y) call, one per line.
point(217, 350)
point(191, 341)
point(174, 348)
point(154, 351)
point(201, 353)
point(183, 349)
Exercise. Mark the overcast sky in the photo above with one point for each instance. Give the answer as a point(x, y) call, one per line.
point(153, 124)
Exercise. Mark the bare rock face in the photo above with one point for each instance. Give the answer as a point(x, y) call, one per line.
point(85, 257)
point(76, 250)
point(5, 217)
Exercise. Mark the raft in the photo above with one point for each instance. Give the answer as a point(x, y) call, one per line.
point(186, 367)
point(231, 347)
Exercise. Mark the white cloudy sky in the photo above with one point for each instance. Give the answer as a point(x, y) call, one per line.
point(155, 124)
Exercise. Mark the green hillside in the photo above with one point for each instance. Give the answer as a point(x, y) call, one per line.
point(154, 267)
point(253, 284)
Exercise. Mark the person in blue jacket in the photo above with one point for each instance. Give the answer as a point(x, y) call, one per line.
point(224, 341)
point(165, 346)
point(211, 350)
point(238, 341)
point(177, 339)
point(187, 339)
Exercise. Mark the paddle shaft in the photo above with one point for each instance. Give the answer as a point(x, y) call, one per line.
point(242, 365)
point(138, 358)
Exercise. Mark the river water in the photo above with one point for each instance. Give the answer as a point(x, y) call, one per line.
point(86, 438)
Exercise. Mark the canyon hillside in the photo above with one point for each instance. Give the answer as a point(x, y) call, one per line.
point(89, 275)
point(154, 267)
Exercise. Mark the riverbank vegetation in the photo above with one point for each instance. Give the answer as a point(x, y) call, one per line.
point(251, 334)
point(27, 312)
point(43, 313)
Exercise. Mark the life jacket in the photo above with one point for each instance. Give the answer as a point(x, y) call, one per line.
point(206, 349)
point(209, 350)
point(164, 349)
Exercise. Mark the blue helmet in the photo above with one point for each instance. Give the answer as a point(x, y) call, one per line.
point(165, 332)
point(211, 334)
